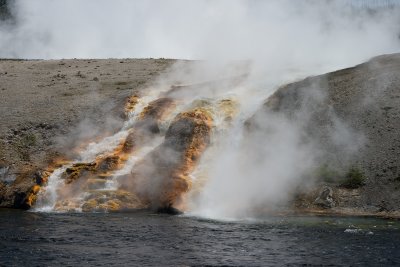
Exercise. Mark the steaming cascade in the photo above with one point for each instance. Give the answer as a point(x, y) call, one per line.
point(148, 163)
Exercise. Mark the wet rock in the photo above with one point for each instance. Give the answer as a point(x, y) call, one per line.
point(325, 198)
point(22, 198)
point(162, 177)
point(77, 170)
point(41, 177)
point(31, 197)
point(19, 199)
point(130, 104)
point(229, 108)
point(67, 205)
point(169, 210)
point(130, 142)
point(155, 112)
point(109, 163)
point(157, 108)
point(111, 201)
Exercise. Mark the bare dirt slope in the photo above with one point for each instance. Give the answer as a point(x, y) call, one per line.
point(366, 99)
point(43, 100)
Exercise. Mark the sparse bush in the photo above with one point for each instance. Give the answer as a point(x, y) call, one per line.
point(353, 179)
point(326, 174)
point(121, 83)
point(24, 144)
point(28, 140)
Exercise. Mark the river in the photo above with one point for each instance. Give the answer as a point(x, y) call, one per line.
point(148, 239)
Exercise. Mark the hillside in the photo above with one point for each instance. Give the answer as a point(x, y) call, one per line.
point(354, 116)
point(47, 106)
point(350, 117)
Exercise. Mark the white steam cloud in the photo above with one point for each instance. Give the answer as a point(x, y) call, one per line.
point(276, 34)
point(279, 41)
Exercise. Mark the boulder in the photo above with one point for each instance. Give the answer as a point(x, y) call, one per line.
point(325, 198)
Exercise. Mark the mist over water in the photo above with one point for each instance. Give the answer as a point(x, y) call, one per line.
point(270, 42)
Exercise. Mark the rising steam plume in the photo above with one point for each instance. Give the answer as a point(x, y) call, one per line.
point(270, 42)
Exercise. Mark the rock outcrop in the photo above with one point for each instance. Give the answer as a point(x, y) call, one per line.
point(162, 177)
point(67, 112)
point(325, 198)
point(92, 177)
point(351, 115)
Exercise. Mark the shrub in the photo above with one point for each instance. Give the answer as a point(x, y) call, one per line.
point(326, 174)
point(28, 140)
point(24, 144)
point(353, 179)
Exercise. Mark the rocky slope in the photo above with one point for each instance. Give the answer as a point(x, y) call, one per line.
point(351, 117)
point(354, 116)
point(49, 105)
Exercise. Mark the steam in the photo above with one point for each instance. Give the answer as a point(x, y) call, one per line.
point(275, 34)
point(269, 42)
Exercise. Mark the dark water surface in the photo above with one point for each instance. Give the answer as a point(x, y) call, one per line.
point(146, 239)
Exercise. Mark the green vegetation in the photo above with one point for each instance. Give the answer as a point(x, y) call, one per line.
point(24, 144)
point(326, 174)
point(28, 140)
point(353, 179)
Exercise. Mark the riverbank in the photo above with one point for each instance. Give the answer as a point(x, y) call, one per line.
point(50, 107)
point(353, 115)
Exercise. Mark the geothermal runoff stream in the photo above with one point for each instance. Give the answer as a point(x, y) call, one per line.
point(76, 214)
point(215, 161)
point(176, 152)
point(164, 137)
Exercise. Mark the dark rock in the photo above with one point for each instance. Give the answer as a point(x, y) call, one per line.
point(325, 198)
point(162, 176)
point(109, 163)
point(20, 200)
point(78, 170)
point(41, 177)
point(169, 210)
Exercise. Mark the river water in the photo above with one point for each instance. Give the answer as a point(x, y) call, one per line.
point(148, 239)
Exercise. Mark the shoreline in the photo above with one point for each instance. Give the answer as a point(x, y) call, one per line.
point(64, 93)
